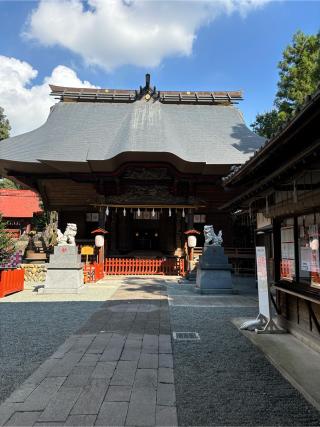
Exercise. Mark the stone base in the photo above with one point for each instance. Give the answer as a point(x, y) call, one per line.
point(214, 281)
point(64, 281)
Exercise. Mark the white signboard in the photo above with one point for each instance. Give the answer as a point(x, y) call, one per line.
point(263, 288)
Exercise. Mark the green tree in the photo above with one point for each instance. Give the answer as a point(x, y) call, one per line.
point(5, 133)
point(7, 183)
point(267, 124)
point(4, 125)
point(6, 244)
point(299, 76)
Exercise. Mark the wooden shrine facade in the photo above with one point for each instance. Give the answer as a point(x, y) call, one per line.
point(144, 206)
point(144, 164)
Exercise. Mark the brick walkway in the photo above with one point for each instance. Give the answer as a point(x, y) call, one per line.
point(118, 369)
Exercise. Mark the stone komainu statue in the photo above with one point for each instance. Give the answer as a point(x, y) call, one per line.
point(212, 239)
point(68, 237)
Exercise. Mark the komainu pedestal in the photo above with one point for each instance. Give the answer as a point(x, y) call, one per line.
point(214, 271)
point(64, 271)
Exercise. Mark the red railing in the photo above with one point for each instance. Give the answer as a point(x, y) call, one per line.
point(92, 272)
point(135, 266)
point(11, 281)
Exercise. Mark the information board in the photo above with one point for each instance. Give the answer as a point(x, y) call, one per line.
point(263, 288)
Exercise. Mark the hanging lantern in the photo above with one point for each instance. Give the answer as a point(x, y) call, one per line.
point(124, 212)
point(169, 211)
point(153, 212)
point(107, 211)
point(99, 237)
point(99, 240)
point(192, 241)
point(138, 212)
point(183, 213)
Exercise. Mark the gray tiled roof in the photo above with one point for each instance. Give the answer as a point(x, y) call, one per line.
point(84, 131)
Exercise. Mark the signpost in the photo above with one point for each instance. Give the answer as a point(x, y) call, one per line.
point(263, 324)
point(264, 317)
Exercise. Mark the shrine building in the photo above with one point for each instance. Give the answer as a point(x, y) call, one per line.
point(145, 164)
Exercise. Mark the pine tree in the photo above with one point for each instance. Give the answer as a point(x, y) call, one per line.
point(299, 76)
point(4, 125)
point(6, 244)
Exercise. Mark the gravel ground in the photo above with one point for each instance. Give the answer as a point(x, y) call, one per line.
point(31, 331)
point(224, 380)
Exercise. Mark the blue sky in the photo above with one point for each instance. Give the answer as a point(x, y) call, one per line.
point(229, 51)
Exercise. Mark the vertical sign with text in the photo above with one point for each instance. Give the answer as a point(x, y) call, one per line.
point(263, 288)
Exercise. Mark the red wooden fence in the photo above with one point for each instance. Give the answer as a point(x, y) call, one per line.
point(92, 272)
point(11, 281)
point(134, 266)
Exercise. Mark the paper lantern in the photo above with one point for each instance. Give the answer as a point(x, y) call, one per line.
point(314, 245)
point(192, 241)
point(99, 241)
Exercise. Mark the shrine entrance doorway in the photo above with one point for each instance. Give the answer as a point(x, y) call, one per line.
point(146, 235)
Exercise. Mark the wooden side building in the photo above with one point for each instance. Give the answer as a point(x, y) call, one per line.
point(280, 188)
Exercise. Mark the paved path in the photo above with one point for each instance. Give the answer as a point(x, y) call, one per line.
point(117, 370)
point(33, 325)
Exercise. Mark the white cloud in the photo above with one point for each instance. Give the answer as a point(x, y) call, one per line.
point(111, 33)
point(27, 106)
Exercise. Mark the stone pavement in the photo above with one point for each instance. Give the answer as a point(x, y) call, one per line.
point(117, 370)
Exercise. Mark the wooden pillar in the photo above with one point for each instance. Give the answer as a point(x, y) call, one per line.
point(178, 243)
point(102, 223)
point(190, 219)
point(277, 249)
point(113, 231)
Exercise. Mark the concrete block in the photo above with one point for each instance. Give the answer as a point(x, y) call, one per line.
point(79, 376)
point(39, 398)
point(41, 373)
point(104, 370)
point(91, 398)
point(150, 344)
point(166, 416)
point(165, 375)
point(112, 414)
point(166, 395)
point(165, 344)
point(64, 348)
point(80, 420)
point(64, 366)
point(114, 348)
point(82, 343)
point(118, 393)
point(143, 395)
point(89, 360)
point(130, 354)
point(148, 361)
point(146, 378)
point(100, 343)
point(7, 409)
point(61, 404)
point(64, 280)
point(124, 373)
point(141, 414)
point(21, 393)
point(24, 419)
point(165, 361)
